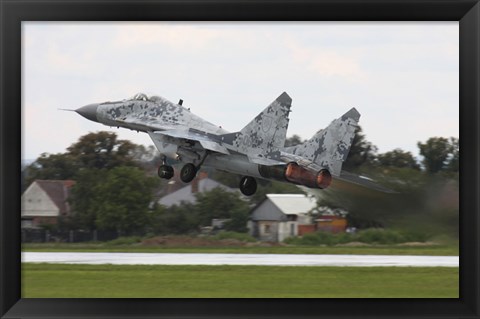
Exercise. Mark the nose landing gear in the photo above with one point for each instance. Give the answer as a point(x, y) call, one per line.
point(248, 185)
point(165, 171)
point(187, 173)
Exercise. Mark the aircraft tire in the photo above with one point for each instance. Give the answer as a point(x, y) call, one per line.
point(188, 173)
point(165, 171)
point(248, 185)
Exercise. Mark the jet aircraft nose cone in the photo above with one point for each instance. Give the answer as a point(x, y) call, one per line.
point(89, 111)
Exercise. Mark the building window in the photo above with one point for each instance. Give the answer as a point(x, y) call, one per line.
point(266, 229)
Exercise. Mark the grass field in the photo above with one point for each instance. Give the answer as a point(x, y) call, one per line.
point(114, 281)
point(433, 250)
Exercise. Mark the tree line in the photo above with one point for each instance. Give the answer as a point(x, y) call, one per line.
point(117, 187)
point(427, 198)
point(439, 154)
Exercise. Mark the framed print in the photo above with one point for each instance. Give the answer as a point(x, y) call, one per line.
point(21, 19)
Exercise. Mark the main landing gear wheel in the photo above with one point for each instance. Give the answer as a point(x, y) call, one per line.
point(248, 185)
point(188, 172)
point(165, 171)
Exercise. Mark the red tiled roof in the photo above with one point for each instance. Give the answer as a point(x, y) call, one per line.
point(58, 191)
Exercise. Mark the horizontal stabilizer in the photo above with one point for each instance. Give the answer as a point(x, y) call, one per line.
point(363, 181)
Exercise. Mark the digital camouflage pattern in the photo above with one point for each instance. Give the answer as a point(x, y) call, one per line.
point(265, 135)
point(151, 114)
point(181, 136)
point(329, 147)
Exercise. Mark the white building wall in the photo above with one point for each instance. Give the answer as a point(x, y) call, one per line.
point(287, 229)
point(304, 219)
point(268, 230)
point(250, 227)
point(35, 202)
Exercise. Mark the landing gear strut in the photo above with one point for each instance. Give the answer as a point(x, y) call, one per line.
point(188, 172)
point(248, 185)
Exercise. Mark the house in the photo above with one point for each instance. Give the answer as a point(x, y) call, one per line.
point(44, 201)
point(280, 216)
point(331, 223)
point(187, 193)
point(331, 220)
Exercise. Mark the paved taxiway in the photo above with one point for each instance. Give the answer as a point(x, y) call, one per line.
point(240, 259)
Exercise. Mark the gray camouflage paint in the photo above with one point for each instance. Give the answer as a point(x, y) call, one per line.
point(266, 133)
point(262, 137)
point(329, 147)
point(176, 131)
point(152, 114)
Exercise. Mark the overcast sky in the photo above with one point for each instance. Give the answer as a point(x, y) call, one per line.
point(402, 77)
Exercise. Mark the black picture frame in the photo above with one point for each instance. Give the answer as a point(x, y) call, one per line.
point(13, 12)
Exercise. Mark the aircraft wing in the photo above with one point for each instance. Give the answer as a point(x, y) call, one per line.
point(214, 146)
point(207, 141)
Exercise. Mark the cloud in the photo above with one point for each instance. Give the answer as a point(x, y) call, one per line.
point(228, 72)
point(169, 35)
point(80, 63)
point(325, 61)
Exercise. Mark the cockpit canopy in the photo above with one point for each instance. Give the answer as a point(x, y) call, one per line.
point(144, 97)
point(140, 97)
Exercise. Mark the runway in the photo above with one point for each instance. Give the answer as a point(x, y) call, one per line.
point(240, 259)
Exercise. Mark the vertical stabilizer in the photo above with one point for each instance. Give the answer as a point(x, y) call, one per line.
point(329, 147)
point(266, 133)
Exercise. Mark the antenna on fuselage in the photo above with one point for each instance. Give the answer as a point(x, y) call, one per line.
point(180, 102)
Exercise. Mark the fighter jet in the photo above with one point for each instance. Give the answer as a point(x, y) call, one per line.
point(256, 151)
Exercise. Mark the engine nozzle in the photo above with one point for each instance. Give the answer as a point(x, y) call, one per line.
point(294, 173)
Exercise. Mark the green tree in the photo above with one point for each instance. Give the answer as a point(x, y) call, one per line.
point(182, 219)
point(50, 166)
point(453, 161)
point(102, 150)
point(218, 203)
point(398, 158)
point(148, 158)
point(435, 152)
point(362, 152)
point(293, 140)
point(83, 198)
point(122, 200)
point(238, 220)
